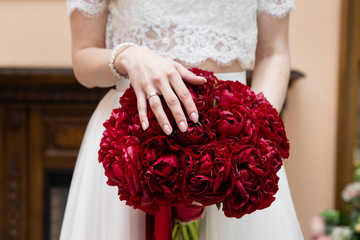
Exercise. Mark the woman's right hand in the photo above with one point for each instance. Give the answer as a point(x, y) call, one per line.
point(147, 71)
point(150, 73)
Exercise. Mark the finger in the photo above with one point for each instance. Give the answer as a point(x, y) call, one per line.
point(185, 97)
point(175, 107)
point(141, 105)
point(188, 76)
point(160, 115)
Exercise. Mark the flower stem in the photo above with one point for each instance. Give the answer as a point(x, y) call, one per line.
point(177, 234)
point(197, 225)
point(176, 231)
point(184, 231)
point(188, 231)
point(194, 234)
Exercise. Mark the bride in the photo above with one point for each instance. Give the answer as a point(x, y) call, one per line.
point(150, 44)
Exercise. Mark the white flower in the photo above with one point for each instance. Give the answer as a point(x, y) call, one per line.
point(341, 233)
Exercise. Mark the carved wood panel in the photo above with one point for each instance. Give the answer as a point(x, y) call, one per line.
point(13, 165)
point(43, 115)
point(55, 135)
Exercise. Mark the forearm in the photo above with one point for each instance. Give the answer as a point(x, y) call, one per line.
point(91, 67)
point(271, 76)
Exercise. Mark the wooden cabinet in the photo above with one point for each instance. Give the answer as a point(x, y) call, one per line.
point(43, 116)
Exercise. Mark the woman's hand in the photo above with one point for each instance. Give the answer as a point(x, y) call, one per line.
point(147, 71)
point(150, 73)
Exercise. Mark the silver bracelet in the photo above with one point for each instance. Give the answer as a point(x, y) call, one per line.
point(116, 51)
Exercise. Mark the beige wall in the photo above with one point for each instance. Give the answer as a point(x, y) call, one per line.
point(311, 114)
point(40, 37)
point(34, 33)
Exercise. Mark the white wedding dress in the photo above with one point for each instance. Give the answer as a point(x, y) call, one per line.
point(94, 211)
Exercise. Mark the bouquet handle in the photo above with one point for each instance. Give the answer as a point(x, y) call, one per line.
point(159, 225)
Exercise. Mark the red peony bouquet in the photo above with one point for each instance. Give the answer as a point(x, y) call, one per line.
point(231, 156)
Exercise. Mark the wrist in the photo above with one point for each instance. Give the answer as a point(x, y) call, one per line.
point(117, 65)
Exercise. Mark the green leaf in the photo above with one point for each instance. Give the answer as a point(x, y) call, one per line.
point(214, 103)
point(218, 205)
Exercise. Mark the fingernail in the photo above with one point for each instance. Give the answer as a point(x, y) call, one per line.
point(143, 124)
point(194, 117)
point(204, 79)
point(167, 129)
point(182, 126)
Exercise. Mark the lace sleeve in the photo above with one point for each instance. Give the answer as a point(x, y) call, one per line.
point(276, 8)
point(89, 8)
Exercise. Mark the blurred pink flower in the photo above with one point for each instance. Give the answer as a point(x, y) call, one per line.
point(317, 227)
point(323, 237)
point(351, 191)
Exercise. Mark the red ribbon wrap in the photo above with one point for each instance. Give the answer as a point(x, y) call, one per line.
point(159, 226)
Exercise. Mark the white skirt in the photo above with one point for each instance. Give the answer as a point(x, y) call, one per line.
point(94, 211)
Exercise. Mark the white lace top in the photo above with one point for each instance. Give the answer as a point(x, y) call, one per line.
point(187, 30)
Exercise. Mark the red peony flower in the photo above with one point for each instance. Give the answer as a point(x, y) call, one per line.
point(208, 175)
point(162, 172)
point(231, 156)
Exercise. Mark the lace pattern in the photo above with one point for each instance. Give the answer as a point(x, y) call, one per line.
point(89, 8)
point(172, 31)
point(276, 8)
point(191, 31)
